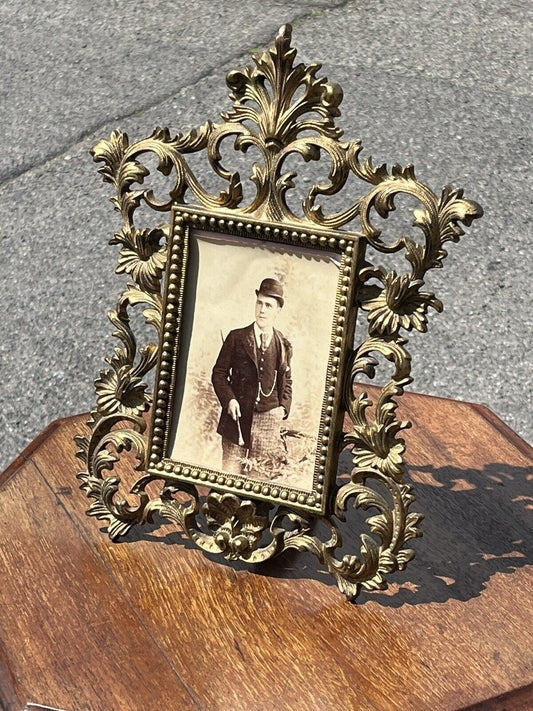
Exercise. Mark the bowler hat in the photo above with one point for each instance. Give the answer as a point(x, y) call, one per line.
point(273, 288)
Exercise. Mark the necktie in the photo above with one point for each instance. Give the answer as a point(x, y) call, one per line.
point(264, 340)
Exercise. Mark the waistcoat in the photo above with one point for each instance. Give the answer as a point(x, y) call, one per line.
point(267, 364)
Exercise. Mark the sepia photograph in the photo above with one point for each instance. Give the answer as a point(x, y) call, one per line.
point(254, 346)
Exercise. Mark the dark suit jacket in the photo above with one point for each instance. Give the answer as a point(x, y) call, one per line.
point(236, 376)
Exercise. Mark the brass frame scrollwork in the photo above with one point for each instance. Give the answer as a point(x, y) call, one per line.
point(279, 108)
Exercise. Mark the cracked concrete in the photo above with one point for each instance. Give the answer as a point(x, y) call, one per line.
point(448, 91)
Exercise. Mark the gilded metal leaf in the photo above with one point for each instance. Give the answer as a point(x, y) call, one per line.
point(272, 87)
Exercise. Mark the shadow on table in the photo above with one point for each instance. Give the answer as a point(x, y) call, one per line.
point(477, 523)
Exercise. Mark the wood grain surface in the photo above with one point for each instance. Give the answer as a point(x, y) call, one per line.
point(152, 623)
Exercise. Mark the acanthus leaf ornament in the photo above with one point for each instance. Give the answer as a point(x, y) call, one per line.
point(237, 525)
point(280, 117)
point(280, 109)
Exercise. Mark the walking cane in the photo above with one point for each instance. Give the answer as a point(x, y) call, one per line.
point(241, 439)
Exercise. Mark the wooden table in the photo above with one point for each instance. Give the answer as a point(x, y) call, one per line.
point(151, 623)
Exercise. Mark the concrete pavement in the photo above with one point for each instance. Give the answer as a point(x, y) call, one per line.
point(444, 87)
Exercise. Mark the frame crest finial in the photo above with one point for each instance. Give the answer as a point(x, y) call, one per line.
point(279, 114)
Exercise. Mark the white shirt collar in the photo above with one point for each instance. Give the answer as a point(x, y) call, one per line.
point(258, 332)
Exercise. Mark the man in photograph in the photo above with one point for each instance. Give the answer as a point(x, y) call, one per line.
point(252, 380)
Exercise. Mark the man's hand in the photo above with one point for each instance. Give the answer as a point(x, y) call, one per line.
point(234, 410)
point(279, 412)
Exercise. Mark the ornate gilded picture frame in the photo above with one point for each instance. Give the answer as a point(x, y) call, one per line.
point(243, 430)
point(283, 446)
